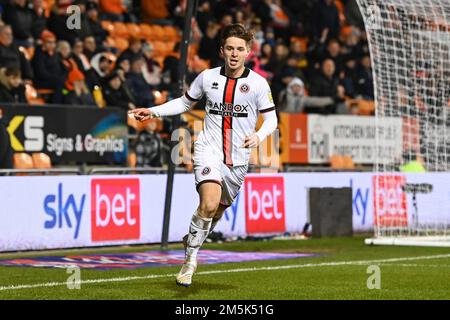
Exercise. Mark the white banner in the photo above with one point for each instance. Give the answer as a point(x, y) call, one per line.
point(353, 136)
point(82, 211)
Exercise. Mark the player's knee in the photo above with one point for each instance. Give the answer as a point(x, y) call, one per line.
point(208, 208)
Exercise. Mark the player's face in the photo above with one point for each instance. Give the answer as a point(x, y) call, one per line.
point(235, 51)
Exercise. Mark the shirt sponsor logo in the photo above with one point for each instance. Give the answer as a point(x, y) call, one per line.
point(227, 109)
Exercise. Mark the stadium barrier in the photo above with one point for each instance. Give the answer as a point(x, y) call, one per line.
point(43, 212)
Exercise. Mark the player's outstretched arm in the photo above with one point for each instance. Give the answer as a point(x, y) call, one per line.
point(170, 108)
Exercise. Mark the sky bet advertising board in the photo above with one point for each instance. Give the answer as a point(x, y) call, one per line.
point(42, 212)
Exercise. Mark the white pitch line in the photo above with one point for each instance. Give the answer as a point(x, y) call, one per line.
point(158, 276)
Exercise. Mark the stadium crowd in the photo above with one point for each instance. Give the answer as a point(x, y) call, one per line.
point(314, 53)
point(315, 48)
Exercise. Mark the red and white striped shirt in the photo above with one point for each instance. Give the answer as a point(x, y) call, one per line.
point(232, 106)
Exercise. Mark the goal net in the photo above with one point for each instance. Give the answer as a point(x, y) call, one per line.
point(409, 43)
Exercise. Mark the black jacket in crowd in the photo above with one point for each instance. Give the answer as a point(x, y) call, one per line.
point(13, 95)
point(20, 19)
point(12, 57)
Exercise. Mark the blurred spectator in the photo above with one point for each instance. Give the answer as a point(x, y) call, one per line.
point(266, 58)
point(330, 50)
point(85, 27)
point(100, 68)
point(349, 75)
point(90, 47)
point(278, 66)
point(170, 71)
point(326, 16)
point(12, 89)
point(79, 57)
point(116, 92)
point(326, 84)
point(353, 14)
point(204, 15)
point(122, 69)
point(134, 50)
point(262, 10)
point(39, 18)
point(57, 23)
point(209, 45)
point(365, 79)
point(10, 56)
point(141, 90)
point(95, 26)
point(280, 20)
point(48, 68)
point(75, 91)
point(152, 70)
point(258, 35)
point(294, 100)
point(253, 62)
point(20, 17)
point(112, 10)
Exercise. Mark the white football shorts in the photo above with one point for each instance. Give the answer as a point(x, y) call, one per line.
point(209, 167)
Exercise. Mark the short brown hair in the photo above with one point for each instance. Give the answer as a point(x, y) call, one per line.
point(12, 72)
point(236, 30)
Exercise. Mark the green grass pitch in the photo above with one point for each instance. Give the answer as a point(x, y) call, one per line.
point(340, 272)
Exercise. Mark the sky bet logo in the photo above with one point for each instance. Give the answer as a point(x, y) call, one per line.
point(63, 211)
point(227, 109)
point(115, 212)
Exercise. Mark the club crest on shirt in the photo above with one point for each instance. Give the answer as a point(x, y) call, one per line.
point(206, 171)
point(244, 88)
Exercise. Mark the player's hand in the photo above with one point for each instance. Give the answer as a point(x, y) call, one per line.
point(141, 114)
point(251, 141)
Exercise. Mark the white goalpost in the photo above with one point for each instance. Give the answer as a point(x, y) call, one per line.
point(409, 43)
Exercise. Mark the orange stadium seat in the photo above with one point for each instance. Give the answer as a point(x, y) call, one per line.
point(134, 30)
point(160, 48)
point(366, 107)
point(171, 33)
point(108, 26)
point(41, 161)
point(120, 43)
point(132, 159)
point(159, 33)
point(337, 162)
point(348, 162)
point(146, 31)
point(22, 160)
point(32, 95)
point(121, 30)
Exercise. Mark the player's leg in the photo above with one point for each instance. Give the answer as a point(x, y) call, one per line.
point(210, 190)
point(232, 179)
point(217, 216)
point(209, 193)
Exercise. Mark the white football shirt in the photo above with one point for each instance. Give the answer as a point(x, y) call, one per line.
point(232, 106)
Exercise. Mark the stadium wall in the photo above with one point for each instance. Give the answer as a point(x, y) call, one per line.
point(81, 211)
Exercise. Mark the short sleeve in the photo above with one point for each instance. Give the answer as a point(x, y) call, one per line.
point(264, 98)
point(195, 91)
